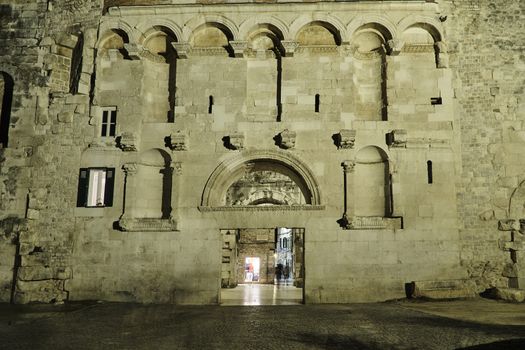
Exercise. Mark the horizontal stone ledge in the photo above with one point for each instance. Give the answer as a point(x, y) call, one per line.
point(262, 208)
point(147, 225)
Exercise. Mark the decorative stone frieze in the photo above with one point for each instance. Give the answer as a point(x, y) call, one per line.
point(239, 47)
point(373, 223)
point(234, 141)
point(177, 141)
point(345, 139)
point(128, 142)
point(147, 225)
point(286, 139)
point(183, 49)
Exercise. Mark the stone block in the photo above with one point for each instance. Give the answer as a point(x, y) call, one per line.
point(444, 289)
point(507, 294)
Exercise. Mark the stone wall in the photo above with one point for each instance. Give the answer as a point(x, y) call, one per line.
point(384, 96)
point(487, 56)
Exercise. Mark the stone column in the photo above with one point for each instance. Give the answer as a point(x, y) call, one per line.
point(177, 186)
point(130, 170)
point(348, 170)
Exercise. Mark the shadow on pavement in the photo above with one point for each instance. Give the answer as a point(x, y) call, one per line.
point(513, 344)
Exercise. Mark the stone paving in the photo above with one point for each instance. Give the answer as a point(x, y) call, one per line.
point(393, 325)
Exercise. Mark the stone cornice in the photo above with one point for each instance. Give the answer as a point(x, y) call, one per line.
point(262, 208)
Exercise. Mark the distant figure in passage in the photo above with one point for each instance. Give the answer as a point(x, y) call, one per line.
point(279, 272)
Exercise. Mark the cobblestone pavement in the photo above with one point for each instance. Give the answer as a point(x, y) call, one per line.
point(392, 325)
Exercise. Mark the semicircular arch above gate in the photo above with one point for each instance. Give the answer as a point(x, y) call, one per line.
point(216, 192)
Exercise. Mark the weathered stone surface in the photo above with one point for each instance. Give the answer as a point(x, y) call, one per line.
point(454, 86)
point(443, 289)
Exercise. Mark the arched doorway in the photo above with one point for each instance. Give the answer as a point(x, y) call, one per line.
point(262, 262)
point(6, 99)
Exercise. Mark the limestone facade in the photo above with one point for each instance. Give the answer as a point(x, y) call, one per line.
point(139, 137)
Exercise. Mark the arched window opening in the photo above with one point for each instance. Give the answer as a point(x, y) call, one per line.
point(6, 98)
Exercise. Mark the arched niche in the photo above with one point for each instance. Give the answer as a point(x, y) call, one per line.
point(157, 40)
point(425, 40)
point(372, 194)
point(265, 38)
point(233, 169)
point(211, 36)
point(154, 185)
point(6, 99)
point(370, 78)
point(113, 40)
point(319, 33)
point(160, 61)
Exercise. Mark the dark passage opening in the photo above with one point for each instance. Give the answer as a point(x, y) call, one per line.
point(6, 96)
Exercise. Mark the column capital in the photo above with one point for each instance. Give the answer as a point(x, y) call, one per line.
point(239, 47)
point(348, 166)
point(289, 47)
point(182, 49)
point(130, 169)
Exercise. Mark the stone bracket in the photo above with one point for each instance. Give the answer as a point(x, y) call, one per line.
point(345, 139)
point(234, 141)
point(177, 141)
point(286, 139)
point(128, 142)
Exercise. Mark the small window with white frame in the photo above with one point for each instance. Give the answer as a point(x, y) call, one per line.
point(95, 187)
point(108, 122)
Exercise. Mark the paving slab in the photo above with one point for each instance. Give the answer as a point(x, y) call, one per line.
point(392, 325)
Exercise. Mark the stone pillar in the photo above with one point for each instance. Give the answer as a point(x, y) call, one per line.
point(348, 170)
point(130, 170)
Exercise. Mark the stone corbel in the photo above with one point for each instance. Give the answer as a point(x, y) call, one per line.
point(182, 49)
point(289, 47)
point(394, 47)
point(128, 142)
point(441, 54)
point(345, 139)
point(134, 51)
point(239, 48)
point(234, 141)
point(286, 139)
point(177, 141)
point(397, 138)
